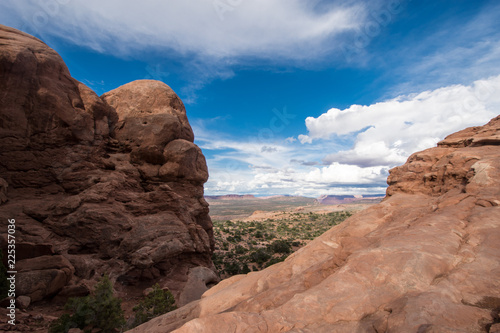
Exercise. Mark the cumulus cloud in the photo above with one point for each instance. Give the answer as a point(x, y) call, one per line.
point(386, 133)
point(367, 154)
point(305, 138)
point(337, 173)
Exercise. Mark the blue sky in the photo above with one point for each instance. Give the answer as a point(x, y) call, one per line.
point(291, 96)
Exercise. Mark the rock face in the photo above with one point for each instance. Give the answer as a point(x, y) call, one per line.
point(96, 185)
point(426, 259)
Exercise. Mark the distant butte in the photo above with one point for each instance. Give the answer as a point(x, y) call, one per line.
point(230, 197)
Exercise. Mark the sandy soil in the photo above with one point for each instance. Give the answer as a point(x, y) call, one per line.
point(318, 209)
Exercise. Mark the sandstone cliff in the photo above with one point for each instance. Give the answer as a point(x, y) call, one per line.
point(426, 259)
point(96, 185)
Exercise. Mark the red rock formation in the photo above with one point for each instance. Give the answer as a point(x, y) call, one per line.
point(110, 184)
point(426, 259)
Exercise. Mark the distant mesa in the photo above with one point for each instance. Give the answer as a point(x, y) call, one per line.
point(344, 199)
point(323, 199)
point(230, 197)
point(280, 196)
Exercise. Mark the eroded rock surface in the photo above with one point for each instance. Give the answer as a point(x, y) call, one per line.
point(426, 259)
point(96, 185)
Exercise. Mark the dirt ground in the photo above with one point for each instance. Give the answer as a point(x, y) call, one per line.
point(318, 209)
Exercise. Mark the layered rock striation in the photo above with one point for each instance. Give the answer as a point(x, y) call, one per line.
point(426, 259)
point(97, 185)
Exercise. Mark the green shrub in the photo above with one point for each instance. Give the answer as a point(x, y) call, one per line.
point(63, 324)
point(156, 303)
point(232, 268)
point(269, 236)
point(245, 269)
point(217, 259)
point(280, 246)
point(258, 234)
point(240, 249)
point(234, 239)
point(99, 310)
point(260, 256)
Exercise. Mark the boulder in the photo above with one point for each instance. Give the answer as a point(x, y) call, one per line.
point(183, 159)
point(22, 302)
point(70, 291)
point(495, 328)
point(43, 276)
point(149, 114)
point(199, 280)
point(75, 330)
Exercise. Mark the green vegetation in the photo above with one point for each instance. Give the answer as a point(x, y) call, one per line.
point(245, 246)
point(156, 303)
point(100, 310)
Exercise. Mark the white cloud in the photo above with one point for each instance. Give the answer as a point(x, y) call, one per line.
point(218, 29)
point(387, 133)
point(337, 173)
point(370, 154)
point(304, 138)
